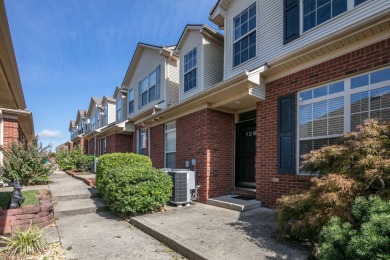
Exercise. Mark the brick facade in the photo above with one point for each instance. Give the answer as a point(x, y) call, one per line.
point(208, 137)
point(365, 59)
point(119, 143)
point(157, 146)
point(11, 132)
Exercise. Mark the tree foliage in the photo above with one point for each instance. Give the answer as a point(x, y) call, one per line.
point(359, 165)
point(27, 164)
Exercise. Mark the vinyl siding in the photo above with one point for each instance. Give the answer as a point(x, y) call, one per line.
point(111, 112)
point(173, 82)
point(193, 40)
point(271, 43)
point(213, 62)
point(148, 62)
point(269, 34)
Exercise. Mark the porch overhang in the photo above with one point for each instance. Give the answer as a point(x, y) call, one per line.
point(234, 94)
point(125, 127)
point(25, 120)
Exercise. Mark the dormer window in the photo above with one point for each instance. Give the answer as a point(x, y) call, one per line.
point(190, 70)
point(244, 46)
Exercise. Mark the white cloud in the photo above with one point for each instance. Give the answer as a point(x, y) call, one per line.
point(50, 134)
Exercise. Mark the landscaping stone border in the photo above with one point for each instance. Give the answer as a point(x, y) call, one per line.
point(42, 215)
point(88, 181)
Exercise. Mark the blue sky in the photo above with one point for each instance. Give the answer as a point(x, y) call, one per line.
point(70, 50)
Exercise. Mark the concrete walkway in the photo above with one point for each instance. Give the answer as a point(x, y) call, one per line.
point(97, 235)
point(208, 232)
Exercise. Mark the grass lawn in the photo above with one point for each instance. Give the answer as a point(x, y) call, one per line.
point(31, 198)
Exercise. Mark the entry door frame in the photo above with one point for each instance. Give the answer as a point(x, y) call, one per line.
point(237, 175)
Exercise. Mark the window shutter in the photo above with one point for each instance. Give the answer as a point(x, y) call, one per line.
point(158, 72)
point(139, 95)
point(286, 134)
point(291, 20)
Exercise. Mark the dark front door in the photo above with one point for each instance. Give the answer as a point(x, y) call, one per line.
point(245, 154)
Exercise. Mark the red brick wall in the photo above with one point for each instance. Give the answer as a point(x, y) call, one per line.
point(365, 59)
point(11, 132)
point(90, 146)
point(208, 137)
point(157, 146)
point(119, 143)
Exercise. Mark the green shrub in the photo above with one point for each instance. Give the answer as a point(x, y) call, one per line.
point(84, 162)
point(367, 236)
point(111, 161)
point(136, 189)
point(67, 160)
point(26, 164)
point(23, 243)
point(359, 165)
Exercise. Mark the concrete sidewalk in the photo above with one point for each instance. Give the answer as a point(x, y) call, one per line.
point(97, 235)
point(208, 232)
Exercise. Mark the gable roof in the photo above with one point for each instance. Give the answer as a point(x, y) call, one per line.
point(94, 102)
point(165, 51)
point(217, 12)
point(203, 29)
point(80, 115)
point(108, 99)
point(119, 89)
point(71, 125)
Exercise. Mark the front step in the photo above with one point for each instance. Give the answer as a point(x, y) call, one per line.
point(229, 202)
point(74, 195)
point(78, 207)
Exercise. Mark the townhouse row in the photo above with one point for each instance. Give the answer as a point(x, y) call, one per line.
point(242, 108)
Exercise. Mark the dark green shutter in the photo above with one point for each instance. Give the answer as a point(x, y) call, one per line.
point(158, 72)
point(286, 134)
point(139, 95)
point(291, 20)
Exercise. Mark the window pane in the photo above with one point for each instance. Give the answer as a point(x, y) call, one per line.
point(357, 119)
point(131, 107)
point(252, 23)
point(131, 94)
point(152, 93)
point(309, 6)
point(305, 120)
point(309, 21)
point(336, 107)
point(380, 76)
point(144, 98)
point(252, 10)
point(358, 2)
point(339, 6)
point(170, 139)
point(336, 87)
point(144, 85)
point(359, 81)
point(170, 160)
point(324, 13)
point(306, 95)
point(152, 79)
point(359, 102)
point(321, 91)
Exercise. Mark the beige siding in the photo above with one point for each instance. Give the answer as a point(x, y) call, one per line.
point(271, 43)
point(111, 112)
point(173, 82)
point(193, 40)
point(270, 31)
point(148, 62)
point(213, 63)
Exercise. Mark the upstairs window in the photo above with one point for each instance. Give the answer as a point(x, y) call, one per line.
point(315, 12)
point(105, 115)
point(244, 46)
point(119, 108)
point(131, 101)
point(93, 127)
point(149, 88)
point(190, 70)
point(98, 120)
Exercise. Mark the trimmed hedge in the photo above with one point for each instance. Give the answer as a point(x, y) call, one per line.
point(111, 161)
point(136, 189)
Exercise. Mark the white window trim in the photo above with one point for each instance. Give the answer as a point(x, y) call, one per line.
point(239, 39)
point(193, 68)
point(348, 91)
point(165, 140)
point(149, 87)
point(118, 108)
point(350, 6)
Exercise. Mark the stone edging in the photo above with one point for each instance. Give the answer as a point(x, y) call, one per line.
point(89, 182)
point(42, 215)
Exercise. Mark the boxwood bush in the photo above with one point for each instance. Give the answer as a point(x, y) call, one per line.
point(112, 161)
point(136, 189)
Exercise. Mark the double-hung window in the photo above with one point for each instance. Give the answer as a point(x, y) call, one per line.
point(105, 115)
point(131, 100)
point(149, 88)
point(326, 112)
point(119, 108)
point(244, 38)
point(93, 123)
point(142, 142)
point(170, 145)
point(190, 70)
point(98, 120)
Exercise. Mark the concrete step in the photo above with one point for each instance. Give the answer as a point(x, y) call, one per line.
point(230, 202)
point(78, 207)
point(74, 194)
